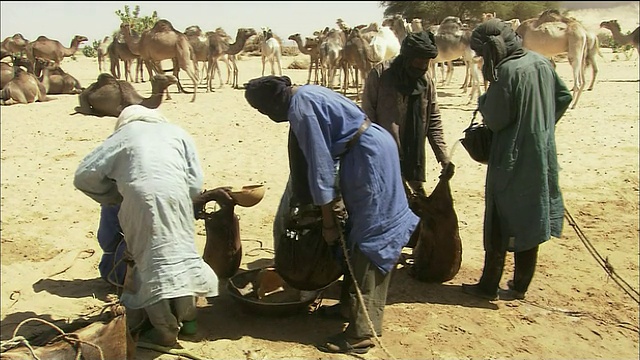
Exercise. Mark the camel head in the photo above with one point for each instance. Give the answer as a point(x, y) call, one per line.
point(163, 25)
point(193, 30)
point(79, 39)
point(162, 81)
point(295, 37)
point(451, 21)
point(610, 25)
point(311, 43)
point(19, 40)
point(245, 33)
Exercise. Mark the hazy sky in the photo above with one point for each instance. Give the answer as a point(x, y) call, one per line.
point(61, 20)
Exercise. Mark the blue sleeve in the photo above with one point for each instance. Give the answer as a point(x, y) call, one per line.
point(91, 176)
point(314, 140)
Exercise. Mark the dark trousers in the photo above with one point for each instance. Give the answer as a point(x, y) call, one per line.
point(374, 286)
point(494, 257)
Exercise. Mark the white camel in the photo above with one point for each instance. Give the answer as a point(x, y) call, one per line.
point(271, 51)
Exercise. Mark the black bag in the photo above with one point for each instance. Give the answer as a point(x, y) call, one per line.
point(477, 140)
point(303, 258)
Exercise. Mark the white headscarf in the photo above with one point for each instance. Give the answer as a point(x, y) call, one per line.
point(139, 113)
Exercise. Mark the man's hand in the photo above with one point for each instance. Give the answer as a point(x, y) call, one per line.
point(222, 196)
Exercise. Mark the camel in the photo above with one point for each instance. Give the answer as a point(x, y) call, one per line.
point(24, 88)
point(229, 60)
point(8, 70)
point(356, 52)
point(331, 52)
point(103, 52)
point(120, 51)
point(199, 42)
point(312, 51)
point(234, 49)
point(631, 39)
point(57, 81)
point(384, 44)
point(271, 51)
point(108, 95)
point(558, 37)
point(14, 44)
point(52, 50)
point(396, 24)
point(132, 42)
point(164, 42)
point(453, 43)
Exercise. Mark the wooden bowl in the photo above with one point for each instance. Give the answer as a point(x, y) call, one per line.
point(249, 195)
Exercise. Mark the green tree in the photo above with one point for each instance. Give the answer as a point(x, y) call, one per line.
point(138, 23)
point(91, 51)
point(470, 11)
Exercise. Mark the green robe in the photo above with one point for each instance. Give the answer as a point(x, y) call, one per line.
point(522, 187)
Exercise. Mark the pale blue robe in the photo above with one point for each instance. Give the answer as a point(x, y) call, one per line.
point(152, 167)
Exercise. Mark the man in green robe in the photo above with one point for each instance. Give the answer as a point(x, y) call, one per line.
point(523, 201)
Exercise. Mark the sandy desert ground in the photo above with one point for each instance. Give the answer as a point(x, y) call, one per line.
point(574, 309)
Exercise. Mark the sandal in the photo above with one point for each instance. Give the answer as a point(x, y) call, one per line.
point(339, 344)
point(332, 312)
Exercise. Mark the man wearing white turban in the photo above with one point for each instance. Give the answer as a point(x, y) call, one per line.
point(150, 167)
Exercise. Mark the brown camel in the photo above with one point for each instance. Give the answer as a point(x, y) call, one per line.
point(556, 37)
point(103, 52)
point(8, 70)
point(234, 49)
point(631, 39)
point(108, 95)
point(14, 44)
point(58, 81)
point(164, 42)
point(356, 53)
point(119, 51)
point(53, 50)
point(229, 60)
point(132, 42)
point(199, 42)
point(312, 51)
point(24, 88)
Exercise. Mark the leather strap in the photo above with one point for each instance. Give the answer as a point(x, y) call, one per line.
point(363, 127)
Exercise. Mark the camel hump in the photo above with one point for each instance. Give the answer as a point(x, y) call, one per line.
point(105, 79)
point(42, 38)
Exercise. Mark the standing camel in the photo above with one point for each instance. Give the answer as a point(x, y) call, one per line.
point(132, 40)
point(271, 51)
point(234, 49)
point(103, 52)
point(314, 55)
point(557, 37)
point(631, 39)
point(200, 43)
point(356, 53)
point(331, 52)
point(163, 42)
point(52, 50)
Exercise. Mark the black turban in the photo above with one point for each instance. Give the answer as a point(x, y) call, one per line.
point(271, 95)
point(496, 41)
point(419, 45)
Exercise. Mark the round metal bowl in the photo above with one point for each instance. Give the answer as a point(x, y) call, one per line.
point(250, 302)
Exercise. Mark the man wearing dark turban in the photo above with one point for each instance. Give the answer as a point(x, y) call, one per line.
point(523, 201)
point(341, 146)
point(401, 97)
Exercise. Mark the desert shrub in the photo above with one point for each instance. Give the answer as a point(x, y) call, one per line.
point(91, 50)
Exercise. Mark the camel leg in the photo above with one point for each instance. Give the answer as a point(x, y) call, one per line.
point(263, 64)
point(279, 65)
point(594, 72)
point(217, 68)
point(185, 63)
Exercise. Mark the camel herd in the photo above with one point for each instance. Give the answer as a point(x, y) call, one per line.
point(349, 52)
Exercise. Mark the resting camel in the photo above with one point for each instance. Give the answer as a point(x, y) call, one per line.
point(163, 42)
point(103, 52)
point(631, 39)
point(271, 52)
point(13, 44)
point(8, 70)
point(52, 50)
point(108, 95)
point(24, 88)
point(557, 37)
point(314, 55)
point(57, 81)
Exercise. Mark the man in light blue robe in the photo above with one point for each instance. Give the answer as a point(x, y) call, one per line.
point(332, 129)
point(150, 167)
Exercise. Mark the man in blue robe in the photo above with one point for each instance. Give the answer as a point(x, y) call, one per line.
point(332, 130)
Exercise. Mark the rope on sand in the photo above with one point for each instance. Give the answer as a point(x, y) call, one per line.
point(170, 351)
